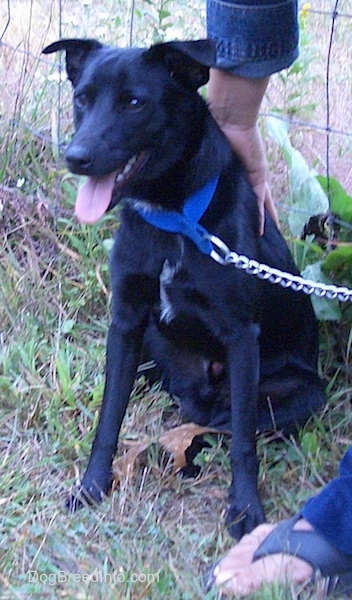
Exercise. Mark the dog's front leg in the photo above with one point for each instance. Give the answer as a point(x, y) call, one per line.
point(245, 510)
point(122, 354)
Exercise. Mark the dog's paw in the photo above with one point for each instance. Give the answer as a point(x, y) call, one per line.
point(83, 496)
point(75, 501)
point(240, 521)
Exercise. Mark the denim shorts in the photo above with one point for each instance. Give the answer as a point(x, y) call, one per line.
point(254, 39)
point(330, 512)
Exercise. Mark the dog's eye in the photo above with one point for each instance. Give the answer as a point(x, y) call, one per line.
point(131, 103)
point(134, 102)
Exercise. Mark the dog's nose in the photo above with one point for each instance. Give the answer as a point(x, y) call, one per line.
point(78, 159)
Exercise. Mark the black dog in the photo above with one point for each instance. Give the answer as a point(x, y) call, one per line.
point(143, 134)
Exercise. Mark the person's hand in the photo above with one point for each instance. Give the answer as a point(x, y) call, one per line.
point(248, 145)
point(234, 102)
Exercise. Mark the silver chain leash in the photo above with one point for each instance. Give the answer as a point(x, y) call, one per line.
point(223, 255)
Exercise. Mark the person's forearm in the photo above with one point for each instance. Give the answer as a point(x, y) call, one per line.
point(236, 100)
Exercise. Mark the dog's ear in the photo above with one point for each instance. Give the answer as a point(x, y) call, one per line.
point(187, 62)
point(77, 51)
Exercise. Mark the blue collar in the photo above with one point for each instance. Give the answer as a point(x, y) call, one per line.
point(186, 222)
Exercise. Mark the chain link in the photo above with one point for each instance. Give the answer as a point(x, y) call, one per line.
point(222, 254)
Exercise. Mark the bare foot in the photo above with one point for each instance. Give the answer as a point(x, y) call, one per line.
point(236, 574)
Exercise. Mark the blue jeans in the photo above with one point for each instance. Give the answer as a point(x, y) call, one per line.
point(330, 513)
point(254, 39)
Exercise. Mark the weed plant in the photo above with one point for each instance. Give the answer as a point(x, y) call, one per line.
point(157, 533)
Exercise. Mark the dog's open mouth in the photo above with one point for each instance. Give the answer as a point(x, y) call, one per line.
point(95, 195)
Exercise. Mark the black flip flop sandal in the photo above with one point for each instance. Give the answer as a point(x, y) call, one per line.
point(307, 545)
point(311, 547)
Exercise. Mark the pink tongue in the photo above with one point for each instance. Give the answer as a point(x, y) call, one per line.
point(94, 197)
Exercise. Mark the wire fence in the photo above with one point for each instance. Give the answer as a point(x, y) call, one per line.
point(313, 97)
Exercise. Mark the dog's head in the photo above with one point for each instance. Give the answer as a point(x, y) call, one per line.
point(131, 108)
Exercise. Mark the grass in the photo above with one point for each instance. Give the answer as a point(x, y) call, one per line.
point(158, 532)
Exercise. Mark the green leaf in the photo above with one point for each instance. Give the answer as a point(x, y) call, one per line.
point(340, 201)
point(278, 130)
point(310, 443)
point(308, 196)
point(108, 244)
point(325, 310)
point(164, 14)
point(339, 262)
point(311, 200)
point(67, 326)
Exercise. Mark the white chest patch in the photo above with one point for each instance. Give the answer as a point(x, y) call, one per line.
point(167, 312)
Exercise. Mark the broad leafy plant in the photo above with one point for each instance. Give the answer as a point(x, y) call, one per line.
point(319, 222)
